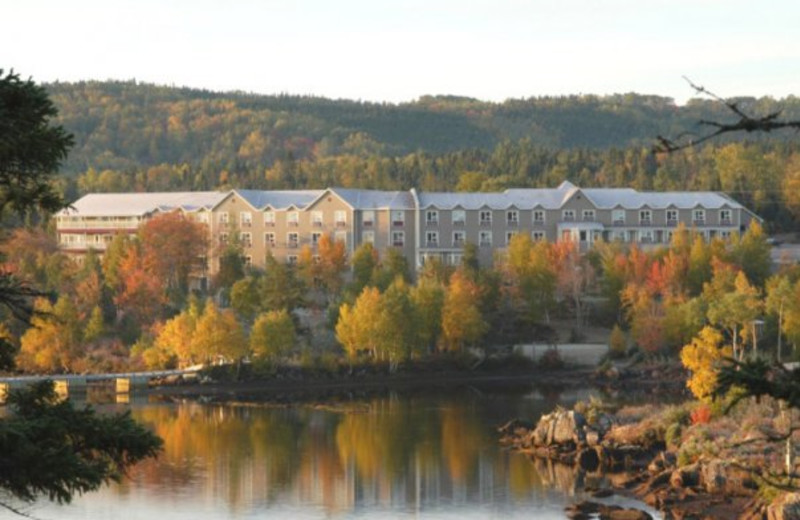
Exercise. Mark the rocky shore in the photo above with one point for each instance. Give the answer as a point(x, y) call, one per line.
point(637, 463)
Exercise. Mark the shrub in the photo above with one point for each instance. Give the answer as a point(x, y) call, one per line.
point(673, 434)
point(701, 415)
point(617, 343)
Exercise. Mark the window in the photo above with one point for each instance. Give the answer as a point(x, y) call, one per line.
point(699, 217)
point(368, 219)
point(315, 238)
point(485, 238)
point(568, 215)
point(368, 237)
point(459, 217)
point(222, 218)
point(432, 217)
point(725, 217)
point(537, 235)
point(459, 237)
point(316, 218)
point(588, 215)
point(246, 239)
point(432, 238)
point(223, 238)
point(269, 239)
point(454, 259)
point(538, 217)
point(340, 218)
point(485, 217)
point(668, 236)
point(646, 236)
point(269, 218)
point(398, 218)
point(292, 239)
point(293, 218)
point(245, 219)
point(248, 261)
point(726, 235)
point(672, 217)
point(341, 236)
point(509, 236)
point(202, 217)
point(291, 259)
point(618, 217)
point(645, 217)
point(512, 217)
point(398, 238)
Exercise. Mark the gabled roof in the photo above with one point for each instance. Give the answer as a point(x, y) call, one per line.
point(373, 199)
point(631, 199)
point(279, 199)
point(140, 204)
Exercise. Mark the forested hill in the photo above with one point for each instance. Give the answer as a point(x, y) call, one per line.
point(128, 125)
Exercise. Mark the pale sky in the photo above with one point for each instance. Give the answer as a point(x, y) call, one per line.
point(399, 50)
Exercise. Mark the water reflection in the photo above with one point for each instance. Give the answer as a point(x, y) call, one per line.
point(392, 456)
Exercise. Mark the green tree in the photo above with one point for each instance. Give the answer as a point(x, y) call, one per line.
point(46, 446)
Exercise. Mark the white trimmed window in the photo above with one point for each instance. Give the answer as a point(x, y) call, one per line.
point(293, 218)
point(316, 218)
point(368, 219)
point(248, 261)
point(269, 218)
point(432, 217)
point(538, 217)
point(588, 215)
point(291, 259)
point(269, 239)
point(459, 237)
point(292, 239)
point(699, 216)
point(315, 238)
point(202, 217)
point(459, 217)
point(340, 218)
point(672, 217)
point(645, 217)
point(512, 217)
point(510, 236)
point(368, 237)
point(485, 238)
point(222, 217)
point(246, 239)
point(398, 218)
point(223, 238)
point(618, 217)
point(568, 215)
point(537, 235)
point(245, 218)
point(432, 238)
point(398, 238)
point(485, 217)
point(646, 236)
point(725, 217)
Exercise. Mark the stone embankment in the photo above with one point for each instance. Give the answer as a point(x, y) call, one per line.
point(639, 465)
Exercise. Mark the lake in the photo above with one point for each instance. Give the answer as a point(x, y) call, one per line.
point(422, 454)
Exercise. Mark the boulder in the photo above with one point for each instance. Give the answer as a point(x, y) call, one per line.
point(686, 476)
point(721, 477)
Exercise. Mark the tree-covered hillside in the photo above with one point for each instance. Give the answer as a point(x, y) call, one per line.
point(125, 125)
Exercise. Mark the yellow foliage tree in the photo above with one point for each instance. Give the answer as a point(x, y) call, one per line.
point(702, 357)
point(218, 334)
point(462, 321)
point(273, 334)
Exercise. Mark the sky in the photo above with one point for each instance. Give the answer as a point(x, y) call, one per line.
point(399, 50)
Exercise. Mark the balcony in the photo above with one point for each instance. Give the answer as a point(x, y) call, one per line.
point(699, 222)
point(512, 223)
point(672, 222)
point(618, 223)
point(458, 242)
point(292, 245)
point(725, 222)
point(568, 218)
point(588, 218)
point(486, 223)
point(341, 224)
point(368, 224)
point(293, 223)
point(432, 243)
point(459, 223)
point(398, 243)
point(538, 223)
point(317, 223)
point(247, 223)
point(645, 222)
point(485, 243)
point(269, 223)
point(398, 223)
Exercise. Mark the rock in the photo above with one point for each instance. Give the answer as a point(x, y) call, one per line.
point(686, 476)
point(659, 481)
point(592, 437)
point(627, 514)
point(515, 427)
point(602, 493)
point(785, 507)
point(721, 477)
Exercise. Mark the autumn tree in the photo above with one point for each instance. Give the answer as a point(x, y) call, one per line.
point(218, 335)
point(53, 343)
point(734, 311)
point(173, 247)
point(141, 295)
point(427, 297)
point(332, 264)
point(273, 335)
point(462, 322)
point(357, 328)
point(703, 357)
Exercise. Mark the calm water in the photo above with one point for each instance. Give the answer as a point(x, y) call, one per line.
point(395, 456)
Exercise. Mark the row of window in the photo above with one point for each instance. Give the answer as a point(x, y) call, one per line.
point(459, 216)
point(293, 218)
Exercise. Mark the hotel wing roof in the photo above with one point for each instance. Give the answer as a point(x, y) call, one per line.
point(280, 199)
point(138, 204)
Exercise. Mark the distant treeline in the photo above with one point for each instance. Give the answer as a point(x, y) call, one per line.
point(132, 136)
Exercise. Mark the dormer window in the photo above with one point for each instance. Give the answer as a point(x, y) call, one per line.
point(459, 217)
point(316, 218)
point(293, 218)
point(725, 217)
point(485, 217)
point(245, 219)
point(645, 217)
point(672, 217)
point(269, 218)
point(699, 217)
point(368, 219)
point(538, 217)
point(432, 217)
point(618, 217)
point(512, 217)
